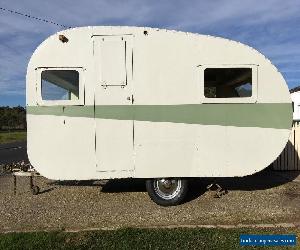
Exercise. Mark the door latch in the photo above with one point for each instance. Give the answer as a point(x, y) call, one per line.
point(130, 98)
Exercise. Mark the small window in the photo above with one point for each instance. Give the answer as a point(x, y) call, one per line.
point(227, 82)
point(60, 85)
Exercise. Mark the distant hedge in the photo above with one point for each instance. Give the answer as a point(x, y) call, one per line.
point(12, 118)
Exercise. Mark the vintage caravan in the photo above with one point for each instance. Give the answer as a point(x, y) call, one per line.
point(129, 102)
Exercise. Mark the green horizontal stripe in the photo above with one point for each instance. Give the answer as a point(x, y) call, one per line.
point(264, 115)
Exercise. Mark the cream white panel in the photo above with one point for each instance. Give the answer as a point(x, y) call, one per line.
point(204, 150)
point(168, 74)
point(114, 145)
point(174, 149)
point(249, 150)
point(62, 147)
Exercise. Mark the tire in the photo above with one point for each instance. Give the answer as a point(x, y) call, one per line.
point(167, 191)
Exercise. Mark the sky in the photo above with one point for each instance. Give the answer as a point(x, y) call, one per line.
point(270, 26)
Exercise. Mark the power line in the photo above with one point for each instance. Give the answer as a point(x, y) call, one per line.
point(33, 17)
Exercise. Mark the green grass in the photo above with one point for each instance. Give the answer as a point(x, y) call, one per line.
point(6, 137)
point(131, 238)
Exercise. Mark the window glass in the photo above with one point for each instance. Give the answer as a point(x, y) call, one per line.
point(227, 82)
point(60, 85)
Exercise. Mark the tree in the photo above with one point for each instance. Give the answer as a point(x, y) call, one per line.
point(12, 118)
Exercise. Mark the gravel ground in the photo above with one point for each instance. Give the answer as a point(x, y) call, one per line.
point(267, 197)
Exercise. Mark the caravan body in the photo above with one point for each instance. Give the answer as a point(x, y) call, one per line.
point(119, 102)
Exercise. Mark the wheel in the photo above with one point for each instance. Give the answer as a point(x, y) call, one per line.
point(167, 191)
point(35, 190)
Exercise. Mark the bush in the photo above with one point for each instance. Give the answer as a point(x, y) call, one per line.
point(12, 118)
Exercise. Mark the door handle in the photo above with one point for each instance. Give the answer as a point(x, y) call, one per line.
point(130, 98)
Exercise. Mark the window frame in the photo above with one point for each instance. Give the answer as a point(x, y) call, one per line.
point(251, 99)
point(42, 102)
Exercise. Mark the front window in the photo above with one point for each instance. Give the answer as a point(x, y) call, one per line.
point(60, 85)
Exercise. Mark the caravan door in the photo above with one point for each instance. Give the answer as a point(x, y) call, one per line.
point(113, 105)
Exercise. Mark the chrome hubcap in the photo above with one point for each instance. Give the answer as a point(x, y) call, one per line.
point(167, 188)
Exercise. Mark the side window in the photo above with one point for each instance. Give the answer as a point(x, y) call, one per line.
point(228, 82)
point(60, 85)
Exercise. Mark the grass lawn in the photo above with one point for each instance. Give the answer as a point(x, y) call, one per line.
point(131, 238)
point(6, 137)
